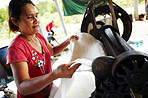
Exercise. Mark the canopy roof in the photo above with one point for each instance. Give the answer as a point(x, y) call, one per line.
point(72, 7)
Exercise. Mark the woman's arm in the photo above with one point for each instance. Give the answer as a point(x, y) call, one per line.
point(27, 85)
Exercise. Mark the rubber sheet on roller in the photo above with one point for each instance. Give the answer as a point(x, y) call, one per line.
point(82, 84)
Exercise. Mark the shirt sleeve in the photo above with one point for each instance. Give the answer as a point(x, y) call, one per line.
point(15, 54)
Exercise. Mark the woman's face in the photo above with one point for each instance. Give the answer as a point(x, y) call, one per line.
point(29, 21)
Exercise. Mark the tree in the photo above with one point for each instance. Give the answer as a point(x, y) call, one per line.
point(44, 7)
point(3, 15)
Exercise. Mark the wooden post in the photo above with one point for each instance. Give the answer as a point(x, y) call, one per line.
point(113, 14)
point(146, 8)
point(136, 9)
point(58, 9)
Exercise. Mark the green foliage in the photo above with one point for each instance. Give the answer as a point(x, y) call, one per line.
point(3, 15)
point(123, 3)
point(140, 1)
point(46, 7)
point(4, 23)
point(73, 19)
point(126, 3)
point(4, 30)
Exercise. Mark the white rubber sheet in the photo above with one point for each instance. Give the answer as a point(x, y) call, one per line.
point(82, 84)
point(87, 47)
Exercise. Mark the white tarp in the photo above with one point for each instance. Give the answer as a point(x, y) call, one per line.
point(82, 84)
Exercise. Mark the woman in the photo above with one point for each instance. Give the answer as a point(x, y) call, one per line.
point(29, 53)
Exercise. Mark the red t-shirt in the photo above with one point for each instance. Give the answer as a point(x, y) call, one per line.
point(20, 50)
point(50, 25)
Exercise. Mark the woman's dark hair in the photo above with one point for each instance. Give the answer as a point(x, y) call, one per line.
point(14, 10)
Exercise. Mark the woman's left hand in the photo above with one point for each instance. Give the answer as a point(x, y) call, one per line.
point(74, 37)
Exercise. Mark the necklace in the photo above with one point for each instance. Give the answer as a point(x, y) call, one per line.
point(34, 42)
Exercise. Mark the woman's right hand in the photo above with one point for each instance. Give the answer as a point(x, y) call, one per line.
point(66, 70)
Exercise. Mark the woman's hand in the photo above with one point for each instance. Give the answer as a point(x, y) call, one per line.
point(72, 37)
point(66, 70)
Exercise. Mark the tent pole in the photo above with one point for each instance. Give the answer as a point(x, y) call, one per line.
point(136, 9)
point(58, 9)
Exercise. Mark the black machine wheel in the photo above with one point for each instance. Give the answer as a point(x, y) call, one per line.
point(106, 87)
point(110, 89)
point(132, 69)
point(120, 14)
point(101, 67)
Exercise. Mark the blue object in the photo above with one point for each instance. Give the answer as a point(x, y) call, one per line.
point(6, 68)
point(3, 55)
point(138, 46)
point(3, 73)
